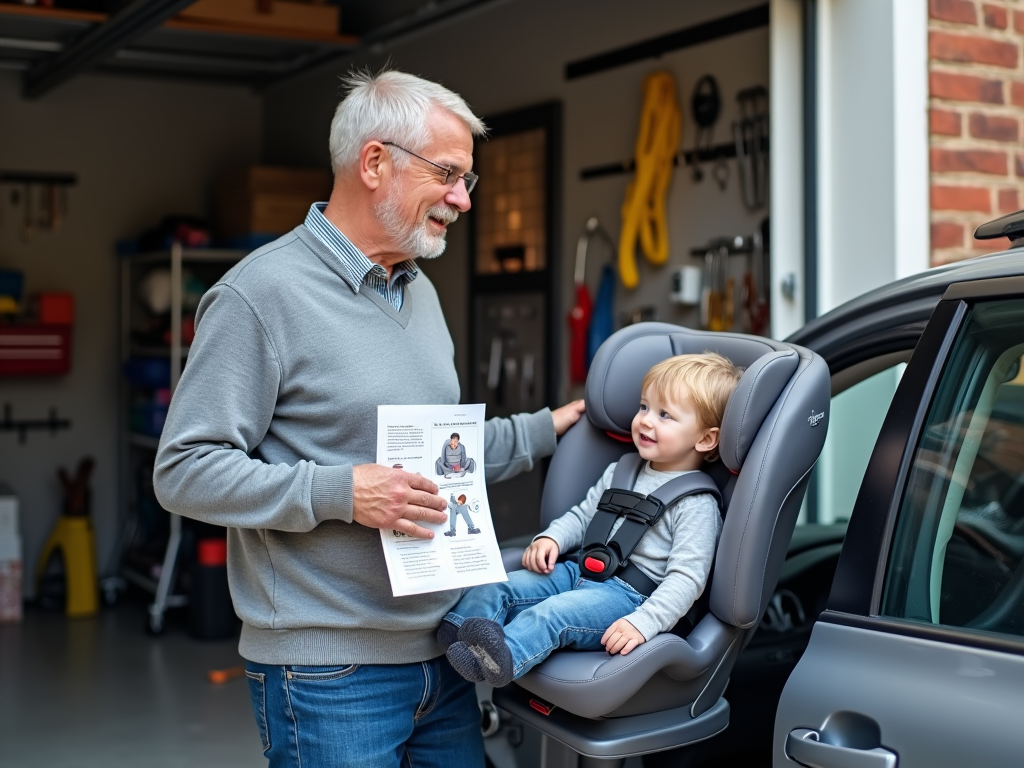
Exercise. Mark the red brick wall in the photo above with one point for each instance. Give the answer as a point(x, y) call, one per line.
point(976, 102)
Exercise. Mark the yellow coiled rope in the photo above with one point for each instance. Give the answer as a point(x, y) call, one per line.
point(643, 209)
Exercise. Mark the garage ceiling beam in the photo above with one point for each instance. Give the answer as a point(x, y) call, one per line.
point(752, 18)
point(427, 18)
point(122, 28)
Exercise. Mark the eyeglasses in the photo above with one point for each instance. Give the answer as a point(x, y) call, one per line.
point(450, 177)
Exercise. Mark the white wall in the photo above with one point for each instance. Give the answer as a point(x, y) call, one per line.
point(141, 149)
point(873, 191)
point(512, 55)
point(872, 123)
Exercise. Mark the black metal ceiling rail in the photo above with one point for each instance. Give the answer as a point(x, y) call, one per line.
point(724, 151)
point(38, 177)
point(126, 25)
point(752, 18)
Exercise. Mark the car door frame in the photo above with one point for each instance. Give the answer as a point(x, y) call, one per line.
point(856, 594)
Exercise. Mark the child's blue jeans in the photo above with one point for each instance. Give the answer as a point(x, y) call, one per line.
point(543, 613)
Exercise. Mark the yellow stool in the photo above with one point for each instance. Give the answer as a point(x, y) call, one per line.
point(75, 538)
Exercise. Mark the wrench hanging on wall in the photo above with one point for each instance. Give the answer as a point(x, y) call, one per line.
point(750, 133)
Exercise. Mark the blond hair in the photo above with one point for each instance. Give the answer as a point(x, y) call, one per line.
point(708, 377)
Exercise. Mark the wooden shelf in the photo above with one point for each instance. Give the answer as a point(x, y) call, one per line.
point(226, 29)
point(242, 30)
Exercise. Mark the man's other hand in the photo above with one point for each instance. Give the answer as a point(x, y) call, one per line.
point(395, 500)
point(567, 415)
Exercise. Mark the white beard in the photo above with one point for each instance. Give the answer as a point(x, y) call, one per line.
point(412, 237)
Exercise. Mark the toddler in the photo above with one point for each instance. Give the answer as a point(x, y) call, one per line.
point(498, 632)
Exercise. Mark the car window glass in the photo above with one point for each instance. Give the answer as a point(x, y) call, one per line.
point(854, 422)
point(959, 542)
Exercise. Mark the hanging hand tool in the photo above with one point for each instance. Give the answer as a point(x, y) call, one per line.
point(705, 104)
point(750, 134)
point(602, 324)
point(756, 282)
point(28, 227)
point(643, 209)
point(579, 315)
point(580, 318)
point(717, 304)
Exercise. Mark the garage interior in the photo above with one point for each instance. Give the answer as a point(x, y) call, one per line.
point(130, 135)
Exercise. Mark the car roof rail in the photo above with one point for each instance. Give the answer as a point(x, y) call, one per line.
point(1011, 226)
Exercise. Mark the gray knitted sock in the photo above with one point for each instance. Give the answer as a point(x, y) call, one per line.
point(465, 662)
point(447, 634)
point(486, 640)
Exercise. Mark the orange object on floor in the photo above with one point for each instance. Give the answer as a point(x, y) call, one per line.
point(221, 676)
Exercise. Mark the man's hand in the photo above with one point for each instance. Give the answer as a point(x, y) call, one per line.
point(567, 415)
point(392, 499)
point(541, 555)
point(621, 637)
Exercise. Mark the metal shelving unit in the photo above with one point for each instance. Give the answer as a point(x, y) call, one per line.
point(137, 448)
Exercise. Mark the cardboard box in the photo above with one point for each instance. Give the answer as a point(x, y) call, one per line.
point(277, 180)
point(268, 200)
point(8, 512)
point(274, 14)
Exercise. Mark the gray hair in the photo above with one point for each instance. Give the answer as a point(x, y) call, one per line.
point(390, 106)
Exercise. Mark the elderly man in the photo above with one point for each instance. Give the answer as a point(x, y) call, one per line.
point(272, 434)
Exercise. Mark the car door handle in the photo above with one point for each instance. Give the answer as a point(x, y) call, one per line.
point(803, 746)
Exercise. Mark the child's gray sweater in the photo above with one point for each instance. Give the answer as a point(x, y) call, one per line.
point(277, 403)
point(676, 553)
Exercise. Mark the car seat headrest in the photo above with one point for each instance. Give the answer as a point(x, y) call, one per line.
point(618, 369)
point(755, 395)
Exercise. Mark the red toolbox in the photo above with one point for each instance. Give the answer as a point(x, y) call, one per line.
point(35, 350)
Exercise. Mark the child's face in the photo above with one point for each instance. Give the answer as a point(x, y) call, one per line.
point(666, 432)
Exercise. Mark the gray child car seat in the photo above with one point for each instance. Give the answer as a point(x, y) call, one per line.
point(668, 692)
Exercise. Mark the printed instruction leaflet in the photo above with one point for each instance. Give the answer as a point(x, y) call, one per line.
point(444, 443)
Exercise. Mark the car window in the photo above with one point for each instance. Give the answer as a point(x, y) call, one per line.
point(854, 422)
point(959, 541)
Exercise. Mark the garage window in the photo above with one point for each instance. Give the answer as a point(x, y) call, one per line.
point(959, 542)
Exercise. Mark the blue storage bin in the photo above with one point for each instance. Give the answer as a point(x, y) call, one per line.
point(12, 283)
point(150, 372)
point(148, 418)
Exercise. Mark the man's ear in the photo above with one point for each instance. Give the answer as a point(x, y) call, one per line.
point(374, 164)
point(708, 441)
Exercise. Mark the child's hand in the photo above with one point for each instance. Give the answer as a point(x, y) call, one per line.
point(621, 637)
point(541, 555)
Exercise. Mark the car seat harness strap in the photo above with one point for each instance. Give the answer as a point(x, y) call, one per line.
point(605, 555)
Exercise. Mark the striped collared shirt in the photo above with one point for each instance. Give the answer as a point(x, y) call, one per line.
point(359, 268)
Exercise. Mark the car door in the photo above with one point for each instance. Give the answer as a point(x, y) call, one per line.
point(918, 659)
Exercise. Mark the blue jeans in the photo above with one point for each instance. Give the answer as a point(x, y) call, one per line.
point(543, 613)
point(369, 716)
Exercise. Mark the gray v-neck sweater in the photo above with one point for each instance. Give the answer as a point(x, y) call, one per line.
point(277, 403)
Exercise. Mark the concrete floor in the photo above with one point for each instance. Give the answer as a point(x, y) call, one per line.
point(100, 693)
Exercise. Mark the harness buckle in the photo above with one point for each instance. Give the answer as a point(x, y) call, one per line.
point(598, 562)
